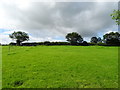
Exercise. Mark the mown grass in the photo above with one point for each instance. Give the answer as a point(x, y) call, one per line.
point(60, 67)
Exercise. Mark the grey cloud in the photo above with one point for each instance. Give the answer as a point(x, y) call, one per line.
point(46, 20)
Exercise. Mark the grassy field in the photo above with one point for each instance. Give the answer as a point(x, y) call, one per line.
point(0, 67)
point(60, 67)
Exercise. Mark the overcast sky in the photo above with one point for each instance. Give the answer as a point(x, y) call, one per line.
point(51, 21)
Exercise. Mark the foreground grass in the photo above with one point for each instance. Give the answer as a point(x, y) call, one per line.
point(0, 67)
point(60, 67)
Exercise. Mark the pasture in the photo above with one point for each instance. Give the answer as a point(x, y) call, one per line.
point(59, 67)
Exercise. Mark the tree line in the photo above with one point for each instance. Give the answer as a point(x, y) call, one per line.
point(74, 38)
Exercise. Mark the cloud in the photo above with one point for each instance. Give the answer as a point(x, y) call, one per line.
point(5, 39)
point(43, 20)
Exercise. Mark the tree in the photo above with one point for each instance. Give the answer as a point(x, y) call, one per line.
point(74, 38)
point(19, 37)
point(112, 38)
point(94, 40)
point(116, 16)
point(99, 40)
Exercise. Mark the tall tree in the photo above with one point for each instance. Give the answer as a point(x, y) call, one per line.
point(112, 38)
point(94, 40)
point(116, 16)
point(74, 38)
point(19, 37)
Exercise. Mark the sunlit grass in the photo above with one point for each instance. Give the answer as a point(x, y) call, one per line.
point(60, 67)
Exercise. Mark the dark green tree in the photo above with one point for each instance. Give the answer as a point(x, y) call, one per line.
point(116, 16)
point(74, 38)
point(112, 38)
point(94, 40)
point(99, 40)
point(19, 37)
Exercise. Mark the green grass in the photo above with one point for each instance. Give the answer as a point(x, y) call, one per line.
point(60, 67)
point(0, 67)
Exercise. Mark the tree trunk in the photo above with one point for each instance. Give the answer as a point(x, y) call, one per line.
point(18, 42)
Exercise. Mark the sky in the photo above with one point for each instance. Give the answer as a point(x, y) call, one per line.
point(51, 21)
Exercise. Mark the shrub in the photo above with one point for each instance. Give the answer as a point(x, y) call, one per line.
point(85, 43)
point(47, 43)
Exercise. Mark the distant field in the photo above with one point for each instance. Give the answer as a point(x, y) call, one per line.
point(60, 67)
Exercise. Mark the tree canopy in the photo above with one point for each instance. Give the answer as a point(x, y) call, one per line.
point(19, 37)
point(116, 16)
point(94, 40)
point(112, 38)
point(74, 38)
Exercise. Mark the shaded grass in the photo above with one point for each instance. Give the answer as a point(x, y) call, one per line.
point(60, 67)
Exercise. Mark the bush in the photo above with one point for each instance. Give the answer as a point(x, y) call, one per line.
point(12, 43)
point(102, 44)
point(85, 43)
point(91, 44)
point(46, 43)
